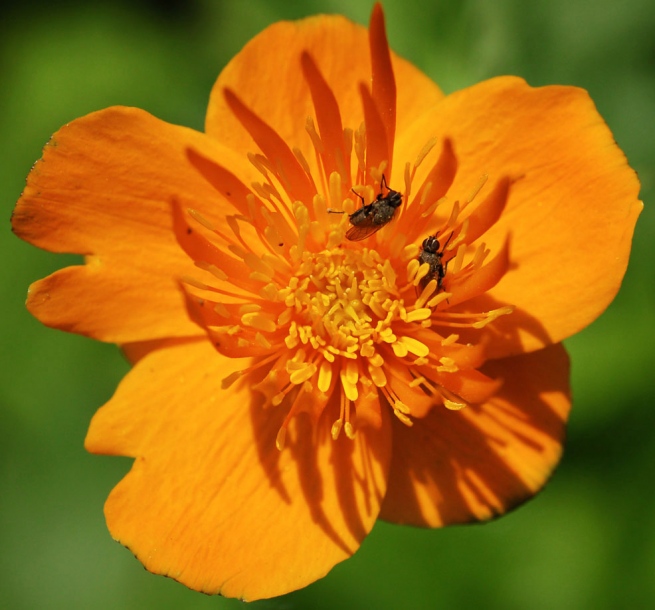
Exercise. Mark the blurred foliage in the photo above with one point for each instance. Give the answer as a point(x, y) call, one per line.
point(588, 541)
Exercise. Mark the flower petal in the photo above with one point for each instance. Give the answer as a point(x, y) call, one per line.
point(377, 145)
point(483, 279)
point(572, 204)
point(104, 188)
point(382, 76)
point(328, 118)
point(210, 501)
point(477, 463)
point(272, 85)
point(111, 302)
point(273, 147)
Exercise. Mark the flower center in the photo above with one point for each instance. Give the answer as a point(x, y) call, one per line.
point(342, 309)
point(325, 318)
point(345, 299)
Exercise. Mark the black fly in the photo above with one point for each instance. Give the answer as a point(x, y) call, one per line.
point(373, 216)
point(432, 254)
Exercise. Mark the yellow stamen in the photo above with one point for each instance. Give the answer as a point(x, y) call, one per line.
point(259, 321)
point(477, 188)
point(230, 379)
point(360, 147)
point(490, 316)
point(458, 261)
point(191, 281)
point(213, 269)
point(439, 298)
point(449, 340)
point(453, 405)
point(198, 217)
point(480, 254)
point(419, 314)
point(324, 376)
point(281, 438)
point(221, 310)
point(249, 308)
point(452, 221)
point(427, 147)
point(414, 346)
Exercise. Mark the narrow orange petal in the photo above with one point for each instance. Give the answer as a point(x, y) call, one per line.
point(258, 75)
point(224, 181)
point(199, 248)
point(377, 145)
point(290, 172)
point(485, 215)
point(441, 175)
point(383, 82)
point(483, 460)
point(471, 385)
point(419, 402)
point(328, 118)
point(481, 280)
point(413, 217)
point(210, 501)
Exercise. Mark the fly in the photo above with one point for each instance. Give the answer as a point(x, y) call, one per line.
point(432, 254)
point(373, 216)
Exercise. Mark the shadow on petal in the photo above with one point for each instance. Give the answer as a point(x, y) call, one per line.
point(478, 463)
point(507, 335)
point(342, 481)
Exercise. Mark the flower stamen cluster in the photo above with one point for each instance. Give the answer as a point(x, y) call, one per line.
point(322, 316)
point(321, 313)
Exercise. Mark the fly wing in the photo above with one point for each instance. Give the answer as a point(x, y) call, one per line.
point(363, 230)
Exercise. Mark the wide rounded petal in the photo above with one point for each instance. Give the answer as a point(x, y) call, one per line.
point(479, 462)
point(572, 204)
point(272, 84)
point(104, 188)
point(210, 501)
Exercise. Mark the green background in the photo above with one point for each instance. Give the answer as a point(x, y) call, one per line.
point(587, 541)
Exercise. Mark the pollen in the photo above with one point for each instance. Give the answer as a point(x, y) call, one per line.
point(344, 303)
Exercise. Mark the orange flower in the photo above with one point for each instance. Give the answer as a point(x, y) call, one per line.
point(291, 385)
